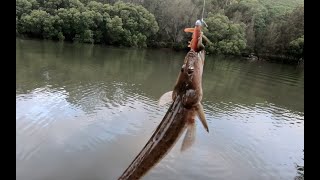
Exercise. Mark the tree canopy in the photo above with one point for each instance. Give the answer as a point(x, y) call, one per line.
point(121, 24)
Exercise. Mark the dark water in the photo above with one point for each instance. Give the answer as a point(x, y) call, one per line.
point(84, 112)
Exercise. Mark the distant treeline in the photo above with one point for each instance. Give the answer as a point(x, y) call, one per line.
point(266, 28)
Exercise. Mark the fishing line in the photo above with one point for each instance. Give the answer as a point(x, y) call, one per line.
point(204, 4)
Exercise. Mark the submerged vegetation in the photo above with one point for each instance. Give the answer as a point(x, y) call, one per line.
point(266, 28)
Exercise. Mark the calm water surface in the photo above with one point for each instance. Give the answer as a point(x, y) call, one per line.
point(84, 112)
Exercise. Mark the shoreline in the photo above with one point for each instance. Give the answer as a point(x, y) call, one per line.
point(244, 56)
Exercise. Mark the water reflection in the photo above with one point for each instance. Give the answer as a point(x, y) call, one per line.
point(84, 112)
point(300, 171)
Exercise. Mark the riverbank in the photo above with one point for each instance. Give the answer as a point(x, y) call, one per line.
point(245, 56)
point(233, 28)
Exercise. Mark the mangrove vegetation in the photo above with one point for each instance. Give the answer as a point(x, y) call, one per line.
point(269, 29)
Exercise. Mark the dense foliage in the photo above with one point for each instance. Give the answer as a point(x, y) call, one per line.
point(226, 37)
point(119, 24)
point(267, 28)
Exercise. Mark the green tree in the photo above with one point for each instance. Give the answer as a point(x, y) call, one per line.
point(23, 7)
point(296, 47)
point(226, 37)
point(254, 15)
point(34, 23)
point(69, 21)
point(285, 35)
point(129, 25)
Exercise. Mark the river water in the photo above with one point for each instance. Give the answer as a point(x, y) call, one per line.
point(84, 112)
